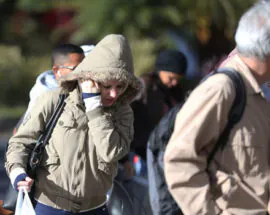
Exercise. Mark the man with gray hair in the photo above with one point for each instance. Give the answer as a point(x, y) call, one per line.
point(236, 181)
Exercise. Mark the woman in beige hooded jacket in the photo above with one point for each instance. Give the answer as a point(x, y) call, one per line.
point(93, 132)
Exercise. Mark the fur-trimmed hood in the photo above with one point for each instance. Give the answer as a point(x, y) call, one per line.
point(110, 59)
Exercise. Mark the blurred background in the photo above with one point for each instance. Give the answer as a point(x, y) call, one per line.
point(202, 29)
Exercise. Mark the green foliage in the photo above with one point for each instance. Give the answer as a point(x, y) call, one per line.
point(32, 5)
point(6, 112)
point(143, 55)
point(144, 22)
point(17, 74)
point(97, 18)
point(150, 20)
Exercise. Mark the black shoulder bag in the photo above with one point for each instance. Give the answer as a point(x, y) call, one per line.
point(35, 159)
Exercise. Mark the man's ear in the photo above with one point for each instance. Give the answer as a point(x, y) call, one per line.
point(55, 69)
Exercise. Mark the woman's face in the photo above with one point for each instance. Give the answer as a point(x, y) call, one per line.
point(169, 79)
point(110, 91)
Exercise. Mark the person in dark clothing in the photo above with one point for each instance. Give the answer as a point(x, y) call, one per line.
point(163, 89)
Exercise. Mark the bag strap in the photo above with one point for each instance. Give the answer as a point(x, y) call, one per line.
point(236, 111)
point(53, 120)
point(171, 120)
point(36, 154)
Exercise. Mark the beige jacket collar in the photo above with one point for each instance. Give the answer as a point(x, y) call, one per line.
point(251, 83)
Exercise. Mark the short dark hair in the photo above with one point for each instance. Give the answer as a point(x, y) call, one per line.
point(63, 50)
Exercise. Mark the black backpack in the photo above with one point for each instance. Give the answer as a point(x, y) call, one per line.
point(160, 198)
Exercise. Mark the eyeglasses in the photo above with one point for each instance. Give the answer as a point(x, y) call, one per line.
point(67, 67)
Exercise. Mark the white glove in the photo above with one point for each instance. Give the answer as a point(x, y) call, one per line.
point(90, 94)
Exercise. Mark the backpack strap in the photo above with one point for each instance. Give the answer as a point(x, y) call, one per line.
point(171, 120)
point(236, 111)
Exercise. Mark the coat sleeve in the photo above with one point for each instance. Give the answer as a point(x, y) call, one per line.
point(111, 132)
point(198, 126)
point(22, 143)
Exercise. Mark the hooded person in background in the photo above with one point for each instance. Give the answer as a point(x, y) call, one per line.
point(163, 89)
point(93, 132)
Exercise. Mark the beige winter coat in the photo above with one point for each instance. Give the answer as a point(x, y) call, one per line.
point(238, 182)
point(80, 160)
